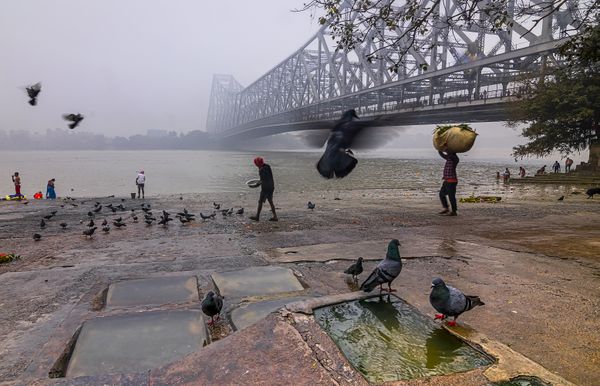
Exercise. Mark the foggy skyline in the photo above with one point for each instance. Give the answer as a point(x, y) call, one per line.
point(134, 65)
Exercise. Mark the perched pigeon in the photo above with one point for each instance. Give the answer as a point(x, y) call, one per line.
point(217, 206)
point(91, 223)
point(90, 214)
point(310, 205)
point(561, 198)
point(63, 225)
point(212, 215)
point(89, 232)
point(74, 119)
point(42, 224)
point(386, 271)
point(32, 92)
point(450, 301)
point(119, 224)
point(592, 191)
point(98, 209)
point(212, 305)
point(105, 229)
point(355, 269)
point(183, 220)
point(37, 236)
point(240, 211)
point(104, 223)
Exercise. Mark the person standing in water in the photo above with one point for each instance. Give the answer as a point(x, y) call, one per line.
point(140, 181)
point(267, 187)
point(17, 181)
point(50, 192)
point(450, 181)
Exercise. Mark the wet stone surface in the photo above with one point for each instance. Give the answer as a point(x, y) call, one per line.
point(256, 281)
point(249, 314)
point(522, 381)
point(388, 340)
point(136, 342)
point(153, 291)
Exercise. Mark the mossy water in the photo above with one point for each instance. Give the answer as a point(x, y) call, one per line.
point(387, 340)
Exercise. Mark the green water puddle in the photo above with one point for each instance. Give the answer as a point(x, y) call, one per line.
point(387, 340)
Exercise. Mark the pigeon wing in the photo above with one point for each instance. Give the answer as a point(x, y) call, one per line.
point(457, 303)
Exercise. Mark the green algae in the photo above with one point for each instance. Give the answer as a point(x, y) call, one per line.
point(387, 340)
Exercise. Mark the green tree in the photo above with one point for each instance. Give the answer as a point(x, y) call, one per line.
point(562, 111)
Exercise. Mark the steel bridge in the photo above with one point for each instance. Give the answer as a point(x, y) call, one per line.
point(465, 75)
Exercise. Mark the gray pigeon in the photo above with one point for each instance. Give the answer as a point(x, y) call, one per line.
point(355, 269)
point(386, 271)
point(450, 301)
point(32, 92)
point(212, 305)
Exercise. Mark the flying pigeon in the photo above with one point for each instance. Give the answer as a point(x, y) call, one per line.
point(74, 119)
point(310, 205)
point(386, 271)
point(212, 305)
point(217, 206)
point(32, 92)
point(355, 269)
point(89, 232)
point(450, 301)
point(49, 216)
point(338, 160)
point(37, 236)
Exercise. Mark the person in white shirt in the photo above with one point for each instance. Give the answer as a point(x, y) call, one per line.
point(140, 180)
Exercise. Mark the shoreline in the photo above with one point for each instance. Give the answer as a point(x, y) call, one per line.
point(533, 262)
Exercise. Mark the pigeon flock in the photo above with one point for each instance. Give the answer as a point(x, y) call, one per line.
point(98, 210)
point(446, 300)
point(34, 90)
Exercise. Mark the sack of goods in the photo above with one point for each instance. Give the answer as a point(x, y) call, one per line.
point(454, 138)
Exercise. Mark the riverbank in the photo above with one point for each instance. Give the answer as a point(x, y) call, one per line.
point(534, 263)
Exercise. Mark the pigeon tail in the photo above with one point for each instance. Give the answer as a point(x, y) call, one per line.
point(336, 163)
point(377, 277)
point(32, 102)
point(473, 301)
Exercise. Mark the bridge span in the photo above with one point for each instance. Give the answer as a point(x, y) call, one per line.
point(466, 75)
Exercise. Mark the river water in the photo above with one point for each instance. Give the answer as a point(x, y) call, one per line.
point(102, 173)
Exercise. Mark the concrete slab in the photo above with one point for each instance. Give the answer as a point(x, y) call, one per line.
point(136, 342)
point(266, 353)
point(153, 291)
point(255, 281)
point(370, 250)
point(249, 314)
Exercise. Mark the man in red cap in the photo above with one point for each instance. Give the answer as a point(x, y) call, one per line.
point(267, 186)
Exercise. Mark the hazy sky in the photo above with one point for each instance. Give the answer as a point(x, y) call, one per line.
point(132, 65)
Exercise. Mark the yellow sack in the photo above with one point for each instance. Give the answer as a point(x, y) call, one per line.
point(456, 138)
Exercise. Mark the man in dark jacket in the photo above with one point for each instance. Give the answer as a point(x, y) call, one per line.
point(450, 182)
point(267, 186)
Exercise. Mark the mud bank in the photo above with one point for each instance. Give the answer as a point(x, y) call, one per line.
point(536, 265)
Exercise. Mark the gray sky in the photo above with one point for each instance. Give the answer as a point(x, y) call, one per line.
point(132, 65)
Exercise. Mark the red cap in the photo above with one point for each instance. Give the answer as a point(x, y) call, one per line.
point(259, 162)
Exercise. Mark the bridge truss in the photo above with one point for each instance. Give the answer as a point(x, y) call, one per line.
point(461, 66)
